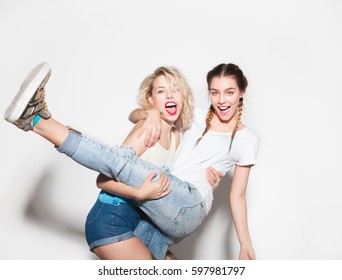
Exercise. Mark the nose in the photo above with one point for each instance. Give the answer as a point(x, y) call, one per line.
point(170, 93)
point(221, 99)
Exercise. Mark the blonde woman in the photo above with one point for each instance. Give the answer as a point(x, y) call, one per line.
point(113, 225)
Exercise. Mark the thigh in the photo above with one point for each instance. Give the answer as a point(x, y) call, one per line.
point(153, 238)
point(107, 223)
point(130, 249)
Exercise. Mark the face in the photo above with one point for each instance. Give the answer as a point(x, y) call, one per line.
point(224, 96)
point(167, 99)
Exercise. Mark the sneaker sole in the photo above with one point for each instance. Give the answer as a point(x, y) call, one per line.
point(31, 83)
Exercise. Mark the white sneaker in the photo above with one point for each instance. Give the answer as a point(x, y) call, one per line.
point(29, 101)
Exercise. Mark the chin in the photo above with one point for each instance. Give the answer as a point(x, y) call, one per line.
point(225, 118)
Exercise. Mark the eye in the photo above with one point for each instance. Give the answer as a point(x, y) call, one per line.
point(176, 88)
point(160, 91)
point(214, 93)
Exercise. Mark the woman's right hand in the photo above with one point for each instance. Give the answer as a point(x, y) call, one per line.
point(154, 189)
point(151, 128)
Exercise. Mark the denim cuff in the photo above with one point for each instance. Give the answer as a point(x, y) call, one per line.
point(70, 143)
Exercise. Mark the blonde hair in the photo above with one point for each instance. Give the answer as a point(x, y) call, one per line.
point(226, 70)
point(174, 78)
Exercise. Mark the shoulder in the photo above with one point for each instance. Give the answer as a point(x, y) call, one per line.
point(247, 147)
point(248, 135)
point(134, 131)
point(132, 140)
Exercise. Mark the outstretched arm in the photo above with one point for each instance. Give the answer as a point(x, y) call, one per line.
point(137, 115)
point(239, 211)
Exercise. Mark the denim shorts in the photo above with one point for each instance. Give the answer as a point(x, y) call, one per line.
point(110, 223)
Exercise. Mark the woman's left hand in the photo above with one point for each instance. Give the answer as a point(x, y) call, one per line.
point(214, 177)
point(247, 253)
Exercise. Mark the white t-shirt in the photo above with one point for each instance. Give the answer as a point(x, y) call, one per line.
point(191, 160)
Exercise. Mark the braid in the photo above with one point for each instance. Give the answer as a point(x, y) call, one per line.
point(238, 121)
point(208, 119)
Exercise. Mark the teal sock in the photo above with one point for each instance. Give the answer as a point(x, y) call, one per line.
point(36, 119)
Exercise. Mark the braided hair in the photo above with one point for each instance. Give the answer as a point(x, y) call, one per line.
point(208, 119)
point(226, 70)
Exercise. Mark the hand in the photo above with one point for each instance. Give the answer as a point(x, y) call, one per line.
point(214, 177)
point(154, 190)
point(247, 253)
point(152, 127)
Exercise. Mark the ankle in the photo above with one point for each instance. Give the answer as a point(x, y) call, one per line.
point(36, 120)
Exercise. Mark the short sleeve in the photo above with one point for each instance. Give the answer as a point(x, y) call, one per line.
point(249, 150)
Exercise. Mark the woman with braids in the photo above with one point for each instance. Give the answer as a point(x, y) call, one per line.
point(217, 138)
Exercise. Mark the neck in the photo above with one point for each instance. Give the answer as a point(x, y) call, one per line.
point(218, 124)
point(165, 136)
point(166, 127)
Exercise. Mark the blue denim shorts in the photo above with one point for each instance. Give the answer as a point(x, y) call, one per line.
point(110, 223)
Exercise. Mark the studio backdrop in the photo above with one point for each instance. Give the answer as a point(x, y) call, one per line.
point(100, 51)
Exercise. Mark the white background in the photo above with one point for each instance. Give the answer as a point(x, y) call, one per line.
point(100, 51)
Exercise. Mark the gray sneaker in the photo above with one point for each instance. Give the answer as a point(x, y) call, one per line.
point(29, 100)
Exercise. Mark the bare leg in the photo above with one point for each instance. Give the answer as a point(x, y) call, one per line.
point(131, 249)
point(170, 256)
point(52, 130)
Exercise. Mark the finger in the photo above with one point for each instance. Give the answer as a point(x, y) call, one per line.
point(218, 176)
point(155, 139)
point(155, 135)
point(161, 180)
point(151, 139)
point(161, 177)
point(151, 134)
point(151, 142)
point(210, 172)
point(158, 132)
point(140, 132)
point(151, 176)
point(165, 193)
point(214, 172)
point(214, 180)
point(210, 175)
point(147, 138)
point(209, 168)
point(166, 185)
point(215, 176)
point(166, 182)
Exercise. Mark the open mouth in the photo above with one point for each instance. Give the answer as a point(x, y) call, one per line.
point(171, 108)
point(223, 109)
